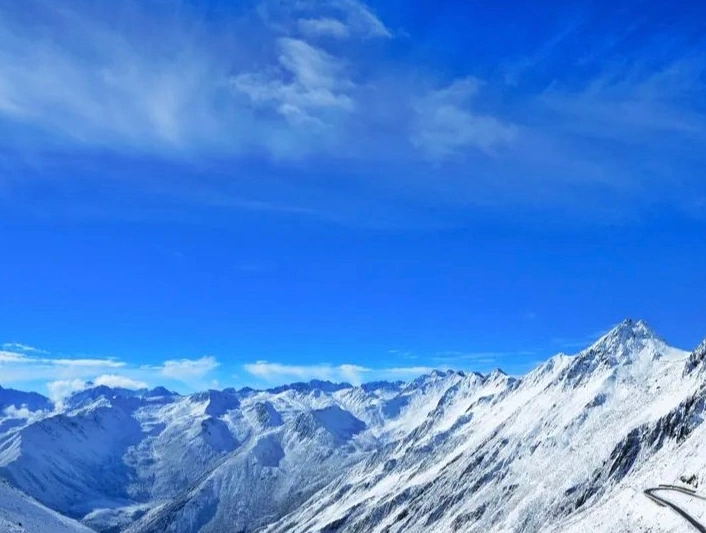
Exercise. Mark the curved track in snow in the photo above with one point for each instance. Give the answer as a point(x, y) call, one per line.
point(650, 493)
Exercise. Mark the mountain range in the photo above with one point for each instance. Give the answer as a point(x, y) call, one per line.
point(568, 447)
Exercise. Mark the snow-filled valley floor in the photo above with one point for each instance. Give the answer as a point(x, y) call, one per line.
point(569, 447)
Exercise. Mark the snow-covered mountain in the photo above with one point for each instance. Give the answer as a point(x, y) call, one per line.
point(10, 398)
point(21, 514)
point(568, 447)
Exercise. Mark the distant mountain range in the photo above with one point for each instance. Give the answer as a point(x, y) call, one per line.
point(569, 447)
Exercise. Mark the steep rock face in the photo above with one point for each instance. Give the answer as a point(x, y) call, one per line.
point(217, 403)
point(696, 360)
point(266, 415)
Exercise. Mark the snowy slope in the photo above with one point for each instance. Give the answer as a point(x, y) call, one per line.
point(531, 454)
point(21, 514)
point(568, 447)
point(115, 456)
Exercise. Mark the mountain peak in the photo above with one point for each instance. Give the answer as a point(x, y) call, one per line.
point(93, 392)
point(311, 386)
point(639, 324)
point(497, 374)
point(628, 335)
point(634, 327)
point(31, 400)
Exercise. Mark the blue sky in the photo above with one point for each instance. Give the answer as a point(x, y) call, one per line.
point(218, 193)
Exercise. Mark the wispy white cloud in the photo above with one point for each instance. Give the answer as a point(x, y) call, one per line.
point(446, 124)
point(135, 79)
point(61, 388)
point(350, 373)
point(318, 27)
point(295, 81)
point(86, 363)
point(147, 80)
point(65, 374)
point(632, 107)
point(353, 373)
point(115, 380)
point(188, 370)
point(22, 348)
point(277, 372)
point(22, 412)
point(12, 357)
point(325, 18)
point(39, 358)
point(308, 86)
point(361, 19)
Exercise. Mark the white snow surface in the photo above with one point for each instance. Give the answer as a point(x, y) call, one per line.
point(21, 514)
point(569, 447)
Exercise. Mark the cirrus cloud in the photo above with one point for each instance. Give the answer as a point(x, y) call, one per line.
point(323, 27)
point(277, 373)
point(446, 124)
point(189, 369)
point(316, 86)
point(18, 347)
point(63, 375)
point(591, 130)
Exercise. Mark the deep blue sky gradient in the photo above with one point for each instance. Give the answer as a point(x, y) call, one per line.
point(357, 231)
